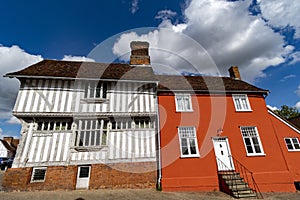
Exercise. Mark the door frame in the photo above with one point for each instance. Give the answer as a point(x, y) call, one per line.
point(221, 165)
point(87, 179)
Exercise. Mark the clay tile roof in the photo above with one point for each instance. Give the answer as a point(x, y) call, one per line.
point(204, 84)
point(72, 69)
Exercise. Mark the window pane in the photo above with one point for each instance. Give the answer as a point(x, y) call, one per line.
point(40, 124)
point(290, 146)
point(45, 126)
point(51, 126)
point(297, 146)
point(185, 151)
point(238, 105)
point(104, 90)
point(104, 138)
point(257, 149)
point(184, 142)
point(84, 172)
point(87, 138)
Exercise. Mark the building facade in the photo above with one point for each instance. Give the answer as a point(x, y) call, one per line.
point(94, 125)
point(219, 128)
point(83, 123)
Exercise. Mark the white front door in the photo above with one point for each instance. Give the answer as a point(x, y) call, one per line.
point(83, 177)
point(223, 154)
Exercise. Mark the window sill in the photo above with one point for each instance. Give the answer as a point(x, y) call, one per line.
point(88, 149)
point(93, 100)
point(243, 110)
point(190, 156)
point(296, 150)
point(184, 111)
point(256, 155)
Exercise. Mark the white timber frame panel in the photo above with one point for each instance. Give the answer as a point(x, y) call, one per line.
point(132, 140)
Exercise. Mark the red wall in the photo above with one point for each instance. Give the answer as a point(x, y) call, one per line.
point(292, 157)
point(211, 113)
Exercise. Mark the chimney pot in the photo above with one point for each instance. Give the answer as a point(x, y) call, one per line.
point(139, 53)
point(234, 72)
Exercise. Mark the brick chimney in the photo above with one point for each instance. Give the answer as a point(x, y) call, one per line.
point(139, 53)
point(234, 72)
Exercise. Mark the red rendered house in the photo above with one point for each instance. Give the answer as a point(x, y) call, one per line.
point(217, 128)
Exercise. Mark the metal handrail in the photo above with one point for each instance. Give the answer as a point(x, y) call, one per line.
point(244, 173)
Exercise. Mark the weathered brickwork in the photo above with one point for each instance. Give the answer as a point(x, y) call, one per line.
point(57, 178)
point(124, 175)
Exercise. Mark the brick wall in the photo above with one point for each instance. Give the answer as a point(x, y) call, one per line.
point(122, 175)
point(57, 178)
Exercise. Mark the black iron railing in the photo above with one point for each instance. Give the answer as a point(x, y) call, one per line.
point(242, 172)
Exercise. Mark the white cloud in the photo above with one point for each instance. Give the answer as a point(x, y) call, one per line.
point(13, 120)
point(134, 6)
point(77, 58)
point(1, 131)
point(12, 59)
point(272, 107)
point(295, 58)
point(226, 30)
point(288, 77)
point(281, 13)
point(298, 105)
point(165, 14)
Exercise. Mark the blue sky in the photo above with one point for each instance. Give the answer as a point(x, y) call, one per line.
point(262, 37)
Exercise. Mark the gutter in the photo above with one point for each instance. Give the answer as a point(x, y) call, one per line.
point(158, 186)
point(219, 91)
point(72, 78)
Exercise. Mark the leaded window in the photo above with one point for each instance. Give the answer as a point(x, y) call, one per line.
point(92, 132)
point(54, 125)
point(95, 89)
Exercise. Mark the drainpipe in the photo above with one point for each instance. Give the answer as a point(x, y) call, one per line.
point(158, 186)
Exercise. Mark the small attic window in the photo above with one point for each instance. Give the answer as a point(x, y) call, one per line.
point(241, 102)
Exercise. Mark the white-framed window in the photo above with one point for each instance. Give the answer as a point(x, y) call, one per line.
point(91, 132)
point(188, 141)
point(95, 89)
point(292, 144)
point(183, 103)
point(252, 141)
point(135, 123)
point(54, 125)
point(38, 174)
point(241, 102)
